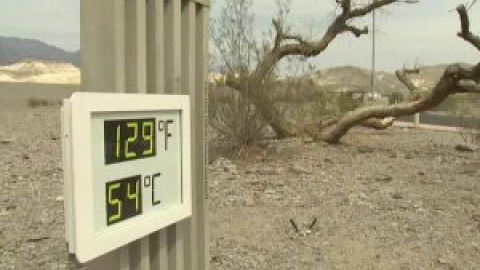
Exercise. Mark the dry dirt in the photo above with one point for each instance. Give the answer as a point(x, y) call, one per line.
point(396, 199)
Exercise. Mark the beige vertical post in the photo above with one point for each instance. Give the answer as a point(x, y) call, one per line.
point(172, 32)
point(416, 119)
point(188, 88)
point(200, 230)
point(153, 46)
point(156, 84)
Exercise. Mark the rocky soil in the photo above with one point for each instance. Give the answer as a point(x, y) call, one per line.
point(396, 199)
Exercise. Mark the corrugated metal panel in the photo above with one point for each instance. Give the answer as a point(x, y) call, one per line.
point(153, 46)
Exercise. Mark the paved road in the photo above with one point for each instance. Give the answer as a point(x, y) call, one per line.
point(438, 120)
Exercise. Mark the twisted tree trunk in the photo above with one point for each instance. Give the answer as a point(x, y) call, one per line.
point(252, 85)
point(456, 79)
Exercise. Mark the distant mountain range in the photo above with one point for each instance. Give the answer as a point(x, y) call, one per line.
point(14, 50)
point(355, 79)
point(32, 55)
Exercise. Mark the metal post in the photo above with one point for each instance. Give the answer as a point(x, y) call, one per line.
point(372, 77)
point(153, 46)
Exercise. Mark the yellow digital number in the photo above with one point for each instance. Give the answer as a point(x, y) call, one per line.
point(148, 137)
point(134, 196)
point(114, 202)
point(132, 139)
point(117, 144)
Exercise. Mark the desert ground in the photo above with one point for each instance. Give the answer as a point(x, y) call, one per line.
point(395, 199)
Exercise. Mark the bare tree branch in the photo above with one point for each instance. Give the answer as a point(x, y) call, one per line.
point(286, 44)
point(402, 76)
point(314, 48)
point(465, 28)
point(359, 12)
point(448, 84)
point(356, 31)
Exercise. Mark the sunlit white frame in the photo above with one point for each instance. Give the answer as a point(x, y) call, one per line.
point(77, 162)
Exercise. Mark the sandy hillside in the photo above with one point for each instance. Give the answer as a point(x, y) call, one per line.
point(40, 72)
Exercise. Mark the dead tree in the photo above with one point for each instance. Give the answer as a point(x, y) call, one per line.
point(285, 44)
point(457, 78)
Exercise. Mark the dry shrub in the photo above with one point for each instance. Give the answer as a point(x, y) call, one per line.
point(468, 114)
point(234, 117)
point(37, 102)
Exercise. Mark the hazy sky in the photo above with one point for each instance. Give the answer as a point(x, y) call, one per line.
point(426, 31)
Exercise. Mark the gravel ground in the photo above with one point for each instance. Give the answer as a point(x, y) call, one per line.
point(396, 199)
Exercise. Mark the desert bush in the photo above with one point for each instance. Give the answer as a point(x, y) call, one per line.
point(346, 103)
point(234, 117)
point(469, 129)
point(450, 105)
point(395, 97)
point(40, 102)
point(37, 102)
point(468, 116)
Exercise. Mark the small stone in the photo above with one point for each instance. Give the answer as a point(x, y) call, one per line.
point(4, 213)
point(271, 171)
point(397, 196)
point(392, 155)
point(300, 170)
point(59, 199)
point(365, 149)
point(308, 140)
point(7, 140)
point(442, 261)
point(476, 217)
point(385, 178)
point(464, 147)
point(25, 157)
point(37, 239)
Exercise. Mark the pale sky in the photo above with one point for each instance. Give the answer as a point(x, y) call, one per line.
point(425, 31)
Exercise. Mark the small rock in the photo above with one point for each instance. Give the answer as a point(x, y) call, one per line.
point(392, 154)
point(441, 159)
point(6, 140)
point(385, 178)
point(442, 261)
point(300, 170)
point(308, 140)
point(271, 171)
point(397, 196)
point(476, 217)
point(37, 239)
point(25, 157)
point(365, 149)
point(269, 191)
point(59, 198)
point(464, 147)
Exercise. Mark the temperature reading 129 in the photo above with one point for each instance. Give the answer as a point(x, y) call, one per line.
point(130, 139)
